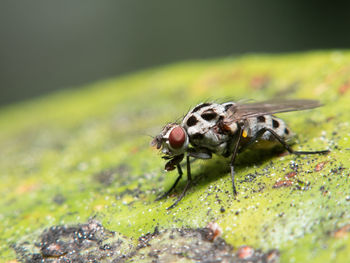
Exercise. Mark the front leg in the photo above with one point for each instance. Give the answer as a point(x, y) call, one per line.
point(189, 182)
point(169, 166)
point(174, 184)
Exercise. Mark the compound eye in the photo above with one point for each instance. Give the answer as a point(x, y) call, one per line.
point(177, 137)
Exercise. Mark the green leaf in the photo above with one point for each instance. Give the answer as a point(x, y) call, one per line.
point(82, 154)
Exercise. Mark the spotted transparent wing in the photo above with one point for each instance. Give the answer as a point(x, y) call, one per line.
point(239, 112)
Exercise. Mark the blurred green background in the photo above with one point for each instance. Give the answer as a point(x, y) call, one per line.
point(49, 45)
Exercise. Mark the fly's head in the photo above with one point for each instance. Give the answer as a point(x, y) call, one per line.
point(173, 140)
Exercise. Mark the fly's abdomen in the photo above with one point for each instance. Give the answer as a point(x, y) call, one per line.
point(256, 124)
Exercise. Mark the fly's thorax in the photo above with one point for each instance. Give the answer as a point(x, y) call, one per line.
point(173, 140)
point(203, 115)
point(201, 124)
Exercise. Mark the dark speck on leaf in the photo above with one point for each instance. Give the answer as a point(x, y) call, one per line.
point(108, 176)
point(59, 199)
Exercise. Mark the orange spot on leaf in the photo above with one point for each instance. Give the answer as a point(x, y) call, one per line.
point(245, 252)
point(215, 230)
point(320, 166)
point(291, 174)
point(283, 183)
point(25, 188)
point(342, 232)
point(260, 82)
point(344, 88)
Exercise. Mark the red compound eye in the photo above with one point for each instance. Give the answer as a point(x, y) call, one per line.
point(177, 137)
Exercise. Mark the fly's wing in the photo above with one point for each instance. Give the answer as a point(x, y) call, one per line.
point(238, 112)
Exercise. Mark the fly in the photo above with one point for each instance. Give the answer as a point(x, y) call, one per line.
point(226, 129)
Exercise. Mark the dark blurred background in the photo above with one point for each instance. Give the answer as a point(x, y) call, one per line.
point(49, 45)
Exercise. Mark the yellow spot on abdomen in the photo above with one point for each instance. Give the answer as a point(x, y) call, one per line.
point(244, 134)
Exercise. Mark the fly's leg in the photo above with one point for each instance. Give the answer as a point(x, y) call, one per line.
point(174, 184)
point(189, 181)
point(282, 142)
point(233, 158)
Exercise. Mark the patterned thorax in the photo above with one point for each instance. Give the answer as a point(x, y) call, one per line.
point(203, 129)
